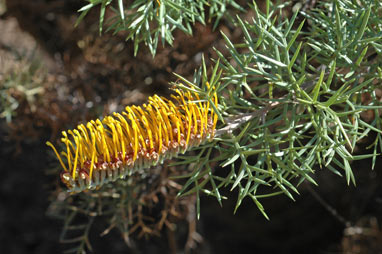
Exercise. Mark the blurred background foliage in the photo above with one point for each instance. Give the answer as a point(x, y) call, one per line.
point(54, 75)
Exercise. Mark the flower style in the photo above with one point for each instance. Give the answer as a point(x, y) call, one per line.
point(140, 137)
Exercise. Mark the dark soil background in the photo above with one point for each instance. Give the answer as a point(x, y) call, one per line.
point(84, 76)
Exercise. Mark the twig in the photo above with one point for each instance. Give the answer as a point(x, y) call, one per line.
point(328, 207)
point(235, 122)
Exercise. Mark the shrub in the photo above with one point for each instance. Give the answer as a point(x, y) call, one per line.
point(297, 94)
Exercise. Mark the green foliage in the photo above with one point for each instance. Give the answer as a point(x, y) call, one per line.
point(150, 20)
point(297, 96)
point(291, 99)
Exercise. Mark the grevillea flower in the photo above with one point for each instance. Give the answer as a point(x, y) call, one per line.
point(140, 137)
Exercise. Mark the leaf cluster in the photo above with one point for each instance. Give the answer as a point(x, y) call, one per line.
point(292, 96)
point(149, 21)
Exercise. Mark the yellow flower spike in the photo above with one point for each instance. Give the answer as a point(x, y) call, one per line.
point(116, 144)
point(206, 110)
point(127, 128)
point(147, 126)
point(123, 141)
point(94, 152)
point(163, 131)
point(115, 134)
point(76, 158)
point(84, 132)
point(184, 104)
point(57, 154)
point(178, 116)
point(111, 123)
point(93, 135)
point(201, 115)
point(153, 123)
point(179, 97)
point(178, 127)
point(68, 153)
point(189, 121)
point(82, 152)
point(165, 116)
point(104, 146)
point(140, 132)
point(93, 125)
point(135, 130)
point(174, 118)
point(109, 141)
point(160, 138)
point(91, 129)
point(191, 105)
point(73, 135)
point(161, 102)
point(194, 116)
point(82, 128)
